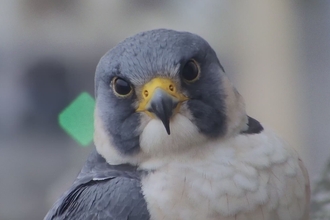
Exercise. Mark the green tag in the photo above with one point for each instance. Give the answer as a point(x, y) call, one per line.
point(78, 119)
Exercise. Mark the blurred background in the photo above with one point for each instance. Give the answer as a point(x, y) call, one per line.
point(277, 53)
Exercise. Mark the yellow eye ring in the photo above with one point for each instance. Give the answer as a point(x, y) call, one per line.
point(121, 87)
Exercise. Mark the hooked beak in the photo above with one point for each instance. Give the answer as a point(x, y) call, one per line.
point(161, 99)
point(162, 105)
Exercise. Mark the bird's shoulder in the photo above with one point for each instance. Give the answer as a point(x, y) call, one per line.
point(280, 171)
point(102, 191)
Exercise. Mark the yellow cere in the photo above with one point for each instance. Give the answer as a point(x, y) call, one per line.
point(166, 84)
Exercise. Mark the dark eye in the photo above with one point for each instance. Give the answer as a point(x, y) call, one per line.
point(190, 71)
point(121, 87)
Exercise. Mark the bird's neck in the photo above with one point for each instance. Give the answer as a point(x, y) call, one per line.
point(104, 146)
point(236, 116)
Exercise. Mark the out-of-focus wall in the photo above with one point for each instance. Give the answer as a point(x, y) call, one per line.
point(266, 58)
point(275, 52)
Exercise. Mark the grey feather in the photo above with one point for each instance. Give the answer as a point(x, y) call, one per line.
point(116, 195)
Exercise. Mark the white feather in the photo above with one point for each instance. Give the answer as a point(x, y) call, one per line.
point(235, 178)
point(154, 141)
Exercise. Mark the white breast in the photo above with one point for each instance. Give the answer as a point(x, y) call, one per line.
point(247, 177)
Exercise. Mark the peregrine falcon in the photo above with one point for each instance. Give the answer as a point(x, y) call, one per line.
point(174, 142)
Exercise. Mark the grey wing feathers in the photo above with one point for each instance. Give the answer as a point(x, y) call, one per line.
point(107, 193)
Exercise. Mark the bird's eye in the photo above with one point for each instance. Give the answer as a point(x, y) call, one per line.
point(190, 71)
point(121, 87)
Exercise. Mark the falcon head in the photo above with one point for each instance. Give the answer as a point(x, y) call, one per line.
point(161, 93)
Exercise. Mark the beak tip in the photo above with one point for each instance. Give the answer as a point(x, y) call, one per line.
point(167, 127)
